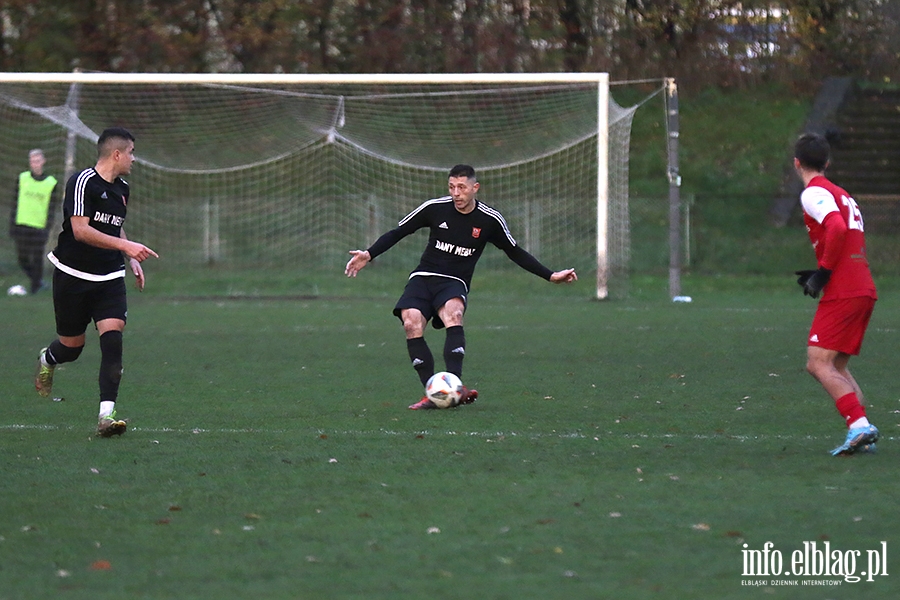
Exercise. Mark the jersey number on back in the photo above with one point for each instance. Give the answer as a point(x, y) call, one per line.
point(854, 217)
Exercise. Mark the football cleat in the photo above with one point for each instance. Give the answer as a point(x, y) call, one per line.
point(867, 449)
point(858, 439)
point(423, 404)
point(468, 396)
point(109, 426)
point(43, 380)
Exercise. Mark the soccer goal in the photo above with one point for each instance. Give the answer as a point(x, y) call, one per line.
point(266, 171)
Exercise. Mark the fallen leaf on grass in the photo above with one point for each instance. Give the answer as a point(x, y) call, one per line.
point(101, 565)
point(700, 527)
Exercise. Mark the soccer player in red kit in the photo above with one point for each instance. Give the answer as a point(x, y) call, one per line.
point(835, 228)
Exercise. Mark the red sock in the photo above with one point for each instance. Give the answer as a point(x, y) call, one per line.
point(850, 408)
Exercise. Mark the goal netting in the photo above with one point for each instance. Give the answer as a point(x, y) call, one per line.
point(291, 172)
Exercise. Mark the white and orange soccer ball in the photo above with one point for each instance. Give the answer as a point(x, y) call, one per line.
point(444, 389)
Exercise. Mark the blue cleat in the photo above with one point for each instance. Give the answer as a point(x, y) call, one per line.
point(859, 439)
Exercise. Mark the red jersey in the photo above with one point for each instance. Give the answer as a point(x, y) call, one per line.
point(835, 228)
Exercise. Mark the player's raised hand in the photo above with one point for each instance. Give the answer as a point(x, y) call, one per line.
point(359, 260)
point(564, 276)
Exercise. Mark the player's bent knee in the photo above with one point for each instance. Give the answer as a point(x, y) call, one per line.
point(413, 329)
point(413, 323)
point(63, 354)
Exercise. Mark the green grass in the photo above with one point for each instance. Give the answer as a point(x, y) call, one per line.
point(619, 449)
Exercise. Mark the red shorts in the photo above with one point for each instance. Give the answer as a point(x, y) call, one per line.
point(841, 324)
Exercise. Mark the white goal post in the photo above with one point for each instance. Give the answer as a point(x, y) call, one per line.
point(263, 170)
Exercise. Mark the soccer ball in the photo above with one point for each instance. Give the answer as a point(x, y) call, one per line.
point(444, 389)
point(16, 290)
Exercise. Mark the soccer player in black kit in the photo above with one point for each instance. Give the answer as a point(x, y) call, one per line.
point(89, 278)
point(460, 227)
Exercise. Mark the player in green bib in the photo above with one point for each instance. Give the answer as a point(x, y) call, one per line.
point(36, 200)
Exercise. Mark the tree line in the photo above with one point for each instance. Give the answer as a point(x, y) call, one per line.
point(718, 42)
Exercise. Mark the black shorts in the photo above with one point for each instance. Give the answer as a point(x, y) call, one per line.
point(77, 302)
point(428, 294)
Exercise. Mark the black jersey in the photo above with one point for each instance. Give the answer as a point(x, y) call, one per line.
point(456, 240)
point(104, 202)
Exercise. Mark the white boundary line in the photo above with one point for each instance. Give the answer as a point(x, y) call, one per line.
point(576, 435)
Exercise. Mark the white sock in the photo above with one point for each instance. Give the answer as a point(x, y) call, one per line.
point(860, 422)
point(107, 408)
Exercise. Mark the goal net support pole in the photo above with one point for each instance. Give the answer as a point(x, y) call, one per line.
point(675, 241)
point(603, 189)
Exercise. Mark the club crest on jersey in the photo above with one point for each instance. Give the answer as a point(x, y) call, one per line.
point(476, 232)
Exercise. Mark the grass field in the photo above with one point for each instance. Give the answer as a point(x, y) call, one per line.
point(624, 449)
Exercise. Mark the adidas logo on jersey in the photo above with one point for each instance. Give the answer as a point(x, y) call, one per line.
point(814, 338)
point(103, 195)
point(443, 225)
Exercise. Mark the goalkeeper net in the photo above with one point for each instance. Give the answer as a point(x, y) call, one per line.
point(246, 172)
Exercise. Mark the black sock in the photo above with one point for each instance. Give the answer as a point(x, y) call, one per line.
point(455, 349)
point(110, 365)
point(57, 353)
point(422, 360)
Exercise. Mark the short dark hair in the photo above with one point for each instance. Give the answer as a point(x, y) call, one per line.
point(812, 151)
point(462, 171)
point(106, 143)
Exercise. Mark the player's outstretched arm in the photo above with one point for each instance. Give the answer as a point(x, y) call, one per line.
point(359, 260)
point(564, 276)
